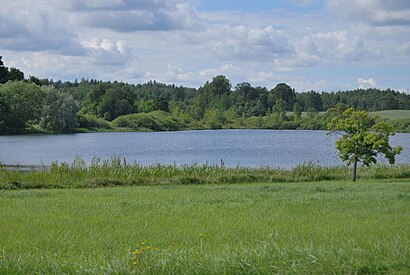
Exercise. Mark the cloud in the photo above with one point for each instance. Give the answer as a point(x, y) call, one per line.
point(107, 52)
point(366, 83)
point(36, 31)
point(135, 15)
point(375, 12)
point(250, 43)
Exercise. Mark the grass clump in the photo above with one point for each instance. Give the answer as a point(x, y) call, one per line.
point(117, 172)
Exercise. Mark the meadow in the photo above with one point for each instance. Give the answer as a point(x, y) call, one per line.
point(335, 227)
point(393, 114)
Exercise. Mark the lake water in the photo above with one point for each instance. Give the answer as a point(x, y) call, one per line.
point(252, 148)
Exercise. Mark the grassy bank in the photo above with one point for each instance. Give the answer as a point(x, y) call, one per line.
point(287, 228)
point(116, 172)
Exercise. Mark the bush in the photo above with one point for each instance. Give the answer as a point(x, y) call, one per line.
point(155, 121)
point(90, 122)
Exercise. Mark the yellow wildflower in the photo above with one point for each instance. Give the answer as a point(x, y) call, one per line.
point(135, 263)
point(136, 252)
point(148, 247)
point(142, 243)
point(132, 259)
point(156, 248)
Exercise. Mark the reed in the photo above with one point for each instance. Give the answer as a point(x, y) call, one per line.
point(117, 172)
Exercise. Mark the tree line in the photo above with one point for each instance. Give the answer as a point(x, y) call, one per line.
point(58, 106)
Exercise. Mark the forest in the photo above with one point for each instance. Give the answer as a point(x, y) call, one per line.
point(33, 105)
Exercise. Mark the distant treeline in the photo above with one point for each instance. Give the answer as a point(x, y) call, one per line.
point(58, 106)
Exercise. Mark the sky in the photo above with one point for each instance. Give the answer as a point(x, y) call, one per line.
point(321, 45)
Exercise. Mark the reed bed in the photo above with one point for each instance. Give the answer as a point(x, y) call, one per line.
point(117, 172)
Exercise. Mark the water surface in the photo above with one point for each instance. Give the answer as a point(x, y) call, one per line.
point(253, 148)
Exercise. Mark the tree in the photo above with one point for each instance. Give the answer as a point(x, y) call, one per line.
point(279, 111)
point(297, 111)
point(359, 142)
point(15, 75)
point(3, 72)
point(20, 103)
point(286, 93)
point(220, 85)
point(60, 111)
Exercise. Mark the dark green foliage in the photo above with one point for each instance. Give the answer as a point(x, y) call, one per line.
point(286, 93)
point(12, 74)
point(213, 106)
point(3, 72)
point(15, 75)
point(60, 111)
point(20, 103)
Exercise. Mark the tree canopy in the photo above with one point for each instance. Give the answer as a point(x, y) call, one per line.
point(225, 106)
point(362, 139)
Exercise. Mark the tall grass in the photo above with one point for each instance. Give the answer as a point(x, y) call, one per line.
point(117, 172)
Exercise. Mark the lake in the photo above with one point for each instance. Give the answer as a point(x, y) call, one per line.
point(252, 148)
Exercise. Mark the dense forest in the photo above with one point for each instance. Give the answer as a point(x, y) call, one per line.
point(43, 105)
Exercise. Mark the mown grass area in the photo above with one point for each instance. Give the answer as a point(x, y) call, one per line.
point(394, 114)
point(330, 227)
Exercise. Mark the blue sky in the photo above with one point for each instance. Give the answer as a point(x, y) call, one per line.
point(322, 45)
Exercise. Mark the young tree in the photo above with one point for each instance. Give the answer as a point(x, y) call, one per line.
point(360, 142)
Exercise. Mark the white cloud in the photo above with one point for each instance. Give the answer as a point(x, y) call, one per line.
point(107, 52)
point(366, 83)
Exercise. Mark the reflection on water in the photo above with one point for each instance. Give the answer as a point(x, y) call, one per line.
point(253, 148)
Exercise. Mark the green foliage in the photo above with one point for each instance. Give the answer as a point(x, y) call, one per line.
point(92, 122)
point(20, 103)
point(286, 93)
point(116, 171)
point(12, 74)
point(60, 111)
point(213, 106)
point(219, 86)
point(362, 138)
point(154, 121)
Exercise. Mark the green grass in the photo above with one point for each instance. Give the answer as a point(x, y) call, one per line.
point(394, 114)
point(331, 227)
point(116, 172)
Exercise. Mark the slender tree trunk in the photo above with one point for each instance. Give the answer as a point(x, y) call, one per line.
point(354, 169)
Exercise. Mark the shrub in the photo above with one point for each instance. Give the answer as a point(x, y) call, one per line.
point(156, 121)
point(90, 122)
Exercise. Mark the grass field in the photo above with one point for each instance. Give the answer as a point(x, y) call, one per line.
point(394, 114)
point(287, 228)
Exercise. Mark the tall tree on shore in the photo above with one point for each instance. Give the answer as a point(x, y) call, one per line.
point(3, 72)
